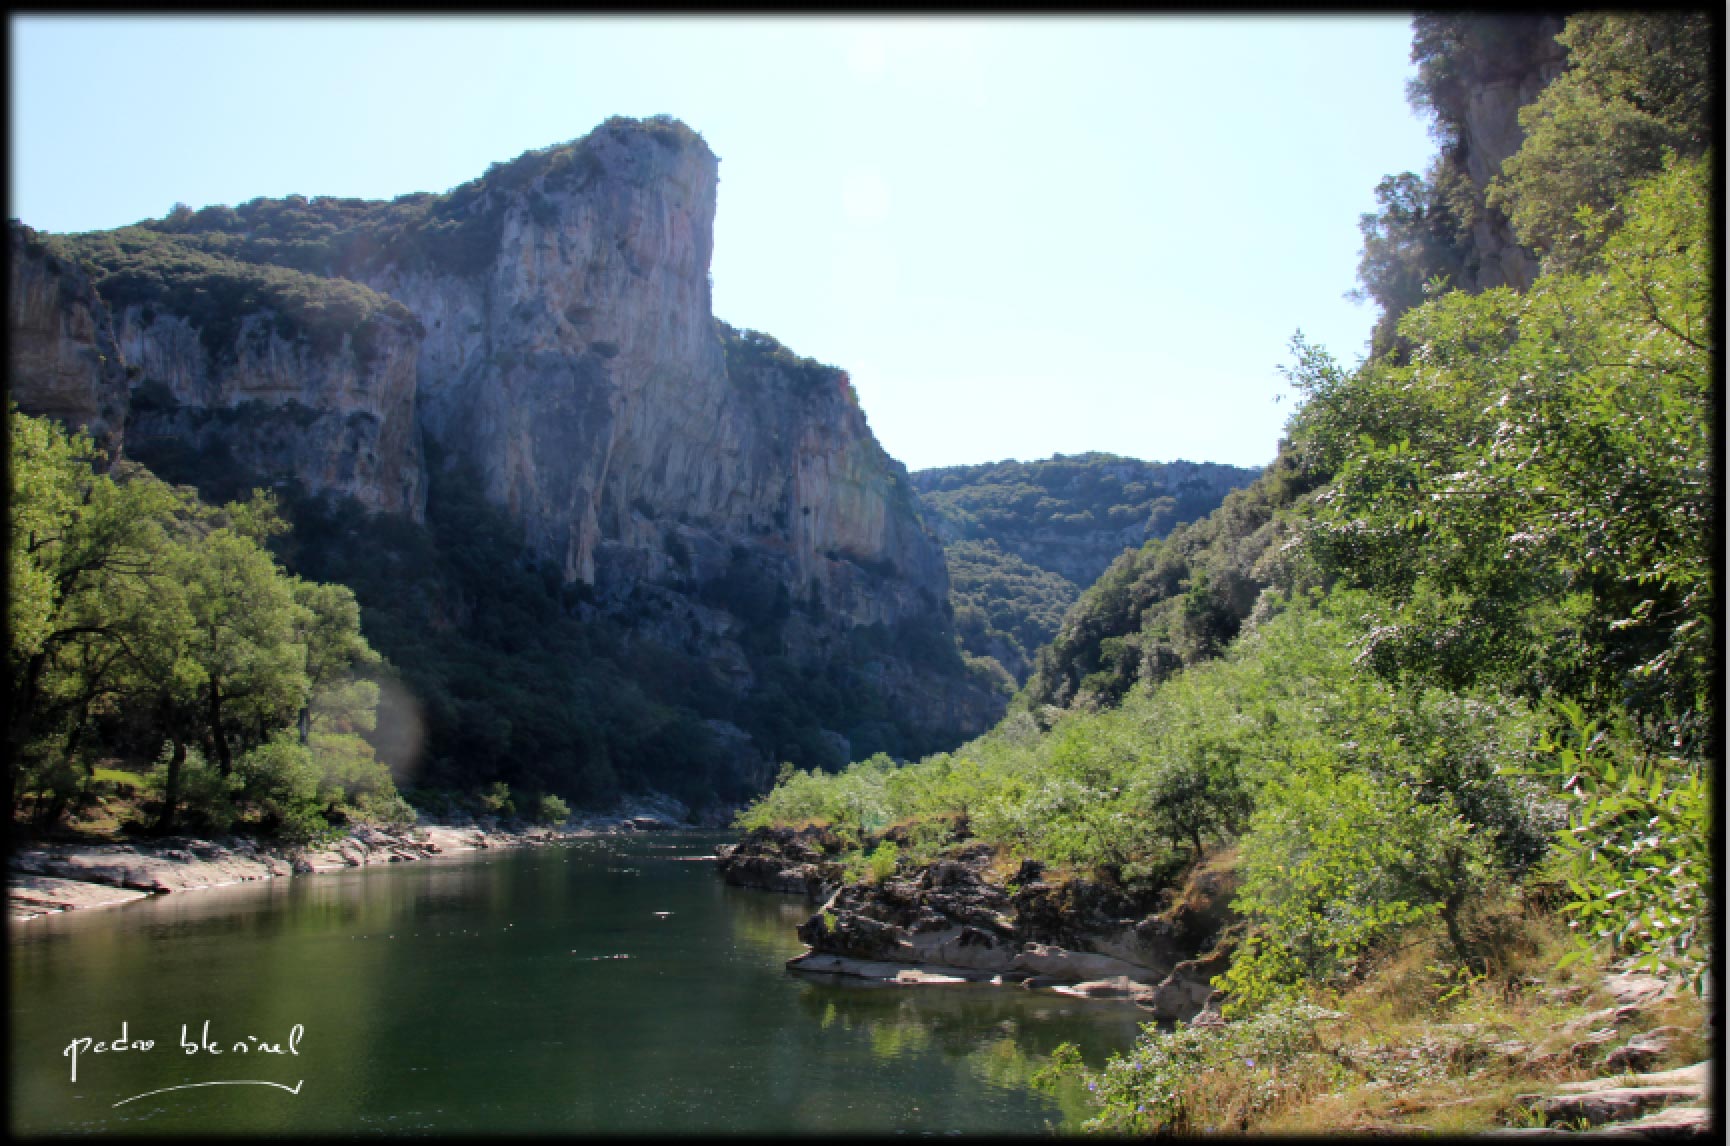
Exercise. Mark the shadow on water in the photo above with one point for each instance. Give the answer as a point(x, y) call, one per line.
point(591, 987)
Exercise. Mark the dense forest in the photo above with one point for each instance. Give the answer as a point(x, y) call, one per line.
point(1445, 676)
point(1024, 538)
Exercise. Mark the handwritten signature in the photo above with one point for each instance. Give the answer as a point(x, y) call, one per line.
point(205, 1044)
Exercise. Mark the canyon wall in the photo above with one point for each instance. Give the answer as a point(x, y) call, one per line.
point(546, 331)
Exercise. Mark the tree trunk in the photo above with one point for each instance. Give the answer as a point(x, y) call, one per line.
point(171, 794)
point(218, 738)
point(20, 722)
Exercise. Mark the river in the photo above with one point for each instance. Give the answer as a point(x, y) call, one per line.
point(597, 986)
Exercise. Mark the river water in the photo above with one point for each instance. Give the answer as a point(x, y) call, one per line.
point(590, 987)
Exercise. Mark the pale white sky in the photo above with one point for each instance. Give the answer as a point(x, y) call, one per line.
point(1020, 235)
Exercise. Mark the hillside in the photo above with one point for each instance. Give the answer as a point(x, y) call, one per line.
point(507, 417)
point(1419, 732)
point(1024, 538)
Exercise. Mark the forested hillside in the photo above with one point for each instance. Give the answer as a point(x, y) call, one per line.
point(1024, 538)
point(1444, 678)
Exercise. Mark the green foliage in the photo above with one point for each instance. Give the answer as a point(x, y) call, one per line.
point(1023, 537)
point(144, 617)
point(1335, 864)
point(205, 797)
point(883, 861)
point(496, 799)
point(756, 360)
point(1075, 496)
point(549, 809)
point(1638, 88)
point(217, 293)
point(1417, 239)
point(1175, 601)
point(1531, 492)
point(1005, 608)
point(1169, 1081)
point(279, 784)
point(1637, 852)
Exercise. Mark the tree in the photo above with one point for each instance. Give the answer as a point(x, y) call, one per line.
point(329, 627)
point(1639, 87)
point(87, 552)
point(1532, 491)
point(244, 618)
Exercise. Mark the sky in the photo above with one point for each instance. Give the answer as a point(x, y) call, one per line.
point(1020, 236)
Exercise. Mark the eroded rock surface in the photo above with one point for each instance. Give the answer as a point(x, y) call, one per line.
point(549, 325)
point(952, 920)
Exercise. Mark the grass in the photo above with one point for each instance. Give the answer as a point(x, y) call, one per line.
point(1411, 1046)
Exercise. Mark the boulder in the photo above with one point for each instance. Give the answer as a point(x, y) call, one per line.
point(1617, 1104)
point(1074, 966)
point(1643, 1049)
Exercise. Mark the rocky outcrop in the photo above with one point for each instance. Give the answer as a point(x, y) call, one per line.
point(950, 921)
point(337, 419)
point(1490, 132)
point(1672, 1103)
point(784, 860)
point(64, 362)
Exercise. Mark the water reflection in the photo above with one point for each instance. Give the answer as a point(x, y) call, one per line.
point(479, 994)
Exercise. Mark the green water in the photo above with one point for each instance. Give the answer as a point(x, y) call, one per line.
point(473, 994)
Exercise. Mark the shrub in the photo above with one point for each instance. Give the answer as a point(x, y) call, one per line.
point(551, 810)
point(1196, 1079)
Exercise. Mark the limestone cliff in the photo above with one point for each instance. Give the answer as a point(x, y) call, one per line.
point(547, 328)
point(142, 361)
point(1489, 132)
point(582, 371)
point(1476, 70)
point(337, 421)
point(64, 360)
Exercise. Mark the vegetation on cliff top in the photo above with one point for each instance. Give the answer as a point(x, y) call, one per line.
point(216, 293)
point(456, 231)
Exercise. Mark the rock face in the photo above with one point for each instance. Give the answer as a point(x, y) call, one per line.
point(64, 362)
point(547, 329)
point(583, 374)
point(784, 861)
point(1489, 132)
point(1504, 78)
point(337, 420)
point(950, 921)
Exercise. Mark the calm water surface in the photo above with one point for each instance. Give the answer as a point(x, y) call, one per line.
point(481, 993)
